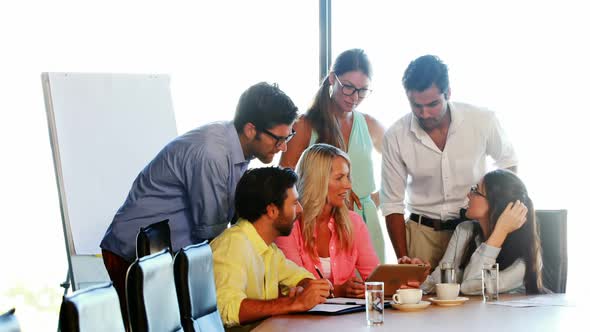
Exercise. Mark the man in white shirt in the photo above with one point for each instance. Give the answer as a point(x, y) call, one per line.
point(435, 154)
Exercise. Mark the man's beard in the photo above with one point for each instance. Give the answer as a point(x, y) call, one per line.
point(284, 226)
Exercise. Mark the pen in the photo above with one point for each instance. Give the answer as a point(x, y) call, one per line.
point(322, 277)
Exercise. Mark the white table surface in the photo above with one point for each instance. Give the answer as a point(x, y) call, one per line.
point(473, 315)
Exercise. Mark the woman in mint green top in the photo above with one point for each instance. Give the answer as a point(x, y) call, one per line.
point(333, 119)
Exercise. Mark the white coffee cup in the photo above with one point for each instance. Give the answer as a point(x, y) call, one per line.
point(447, 291)
point(407, 296)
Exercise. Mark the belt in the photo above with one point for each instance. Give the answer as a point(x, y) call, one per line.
point(437, 224)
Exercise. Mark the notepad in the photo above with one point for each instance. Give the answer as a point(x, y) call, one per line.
point(341, 305)
point(335, 309)
point(345, 300)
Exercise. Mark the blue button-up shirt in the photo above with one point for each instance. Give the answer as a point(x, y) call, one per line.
point(191, 182)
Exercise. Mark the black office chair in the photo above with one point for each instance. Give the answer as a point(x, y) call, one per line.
point(8, 322)
point(553, 234)
point(195, 286)
point(91, 309)
point(151, 296)
point(153, 238)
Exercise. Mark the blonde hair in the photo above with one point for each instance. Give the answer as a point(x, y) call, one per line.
point(314, 170)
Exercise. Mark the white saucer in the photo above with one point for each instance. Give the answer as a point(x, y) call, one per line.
point(411, 307)
point(449, 303)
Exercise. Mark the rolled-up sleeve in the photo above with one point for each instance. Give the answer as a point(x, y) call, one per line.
point(511, 278)
point(453, 254)
point(289, 273)
point(484, 255)
point(499, 146)
point(367, 259)
point(230, 278)
point(393, 176)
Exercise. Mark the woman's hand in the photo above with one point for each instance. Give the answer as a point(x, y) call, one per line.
point(353, 287)
point(513, 217)
point(354, 199)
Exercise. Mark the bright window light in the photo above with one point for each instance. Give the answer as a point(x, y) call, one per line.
point(526, 60)
point(213, 51)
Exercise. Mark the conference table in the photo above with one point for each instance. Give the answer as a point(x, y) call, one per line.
point(553, 312)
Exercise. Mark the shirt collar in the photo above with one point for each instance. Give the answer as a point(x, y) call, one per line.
point(257, 242)
point(456, 119)
point(237, 154)
point(331, 227)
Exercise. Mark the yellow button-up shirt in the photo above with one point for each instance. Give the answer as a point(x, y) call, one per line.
point(245, 267)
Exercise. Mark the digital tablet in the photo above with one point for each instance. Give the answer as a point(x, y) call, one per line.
point(395, 275)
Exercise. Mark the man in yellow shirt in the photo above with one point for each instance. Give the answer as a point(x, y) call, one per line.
point(249, 268)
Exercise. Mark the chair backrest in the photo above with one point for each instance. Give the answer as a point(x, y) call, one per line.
point(91, 309)
point(195, 285)
point(8, 322)
point(151, 296)
point(553, 234)
point(153, 238)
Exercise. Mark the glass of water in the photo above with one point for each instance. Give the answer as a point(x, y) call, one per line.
point(447, 273)
point(490, 282)
point(374, 297)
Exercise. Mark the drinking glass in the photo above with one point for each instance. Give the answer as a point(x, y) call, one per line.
point(490, 282)
point(374, 297)
point(447, 273)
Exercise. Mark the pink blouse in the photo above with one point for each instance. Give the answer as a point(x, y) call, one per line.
point(362, 255)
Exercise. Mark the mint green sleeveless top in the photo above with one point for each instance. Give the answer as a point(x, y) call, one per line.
point(360, 149)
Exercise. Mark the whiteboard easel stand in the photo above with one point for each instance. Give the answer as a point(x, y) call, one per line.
point(136, 111)
point(60, 186)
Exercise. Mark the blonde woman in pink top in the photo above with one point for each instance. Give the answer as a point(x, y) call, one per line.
point(328, 237)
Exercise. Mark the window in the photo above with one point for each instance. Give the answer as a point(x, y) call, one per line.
point(525, 60)
point(212, 50)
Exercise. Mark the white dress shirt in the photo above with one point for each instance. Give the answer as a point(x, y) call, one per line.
point(437, 182)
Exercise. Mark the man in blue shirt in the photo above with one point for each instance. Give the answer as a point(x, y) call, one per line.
point(192, 180)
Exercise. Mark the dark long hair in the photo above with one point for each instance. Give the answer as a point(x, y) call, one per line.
point(323, 122)
point(502, 187)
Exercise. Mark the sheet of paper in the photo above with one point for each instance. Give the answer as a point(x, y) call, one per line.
point(332, 307)
point(537, 301)
point(345, 300)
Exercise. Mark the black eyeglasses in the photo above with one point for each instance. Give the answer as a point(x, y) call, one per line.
point(475, 190)
point(280, 139)
point(349, 90)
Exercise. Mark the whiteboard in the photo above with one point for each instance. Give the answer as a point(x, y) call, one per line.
point(103, 128)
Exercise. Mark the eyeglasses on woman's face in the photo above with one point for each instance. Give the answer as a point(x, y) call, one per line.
point(349, 90)
point(475, 191)
point(280, 139)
